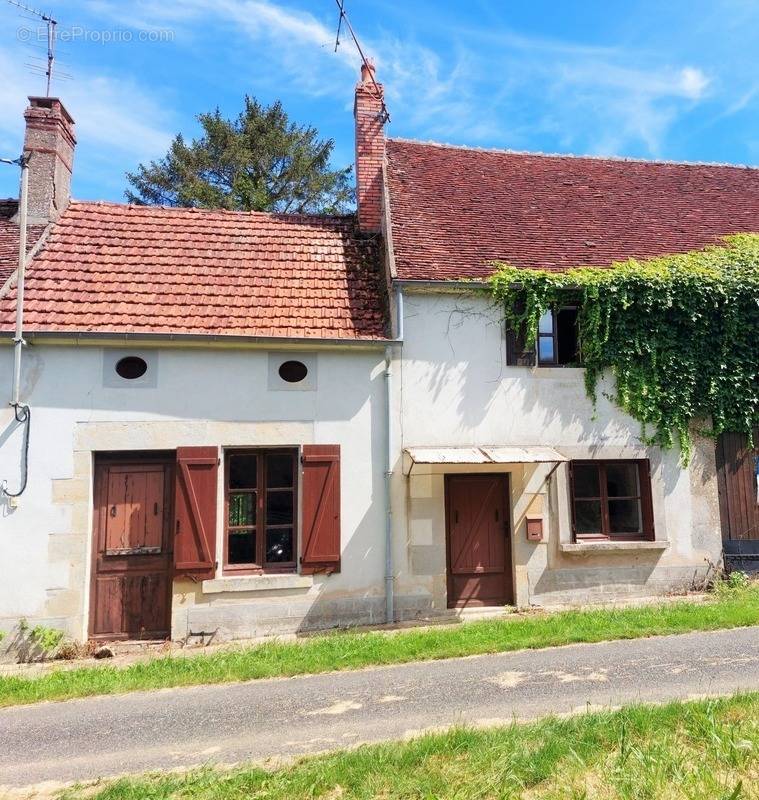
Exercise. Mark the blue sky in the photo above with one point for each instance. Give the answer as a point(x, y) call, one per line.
point(644, 78)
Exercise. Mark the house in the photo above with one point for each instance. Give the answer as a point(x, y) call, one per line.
point(245, 424)
point(511, 487)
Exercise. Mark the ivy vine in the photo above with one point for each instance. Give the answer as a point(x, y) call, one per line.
point(679, 334)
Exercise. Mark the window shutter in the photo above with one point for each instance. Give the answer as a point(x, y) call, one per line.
point(571, 471)
point(646, 499)
point(518, 354)
point(320, 504)
point(195, 512)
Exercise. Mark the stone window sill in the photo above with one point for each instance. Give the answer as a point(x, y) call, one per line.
point(588, 548)
point(257, 583)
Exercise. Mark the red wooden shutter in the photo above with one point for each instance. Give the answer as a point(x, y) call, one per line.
point(195, 512)
point(320, 546)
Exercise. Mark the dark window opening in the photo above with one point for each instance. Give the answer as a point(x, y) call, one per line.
point(293, 371)
point(131, 367)
point(260, 525)
point(557, 338)
point(611, 500)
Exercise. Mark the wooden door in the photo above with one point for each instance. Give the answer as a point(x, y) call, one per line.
point(132, 549)
point(738, 482)
point(479, 545)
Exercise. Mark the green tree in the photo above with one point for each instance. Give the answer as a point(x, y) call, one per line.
point(260, 161)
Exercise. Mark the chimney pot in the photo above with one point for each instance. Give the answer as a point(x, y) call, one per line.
point(49, 145)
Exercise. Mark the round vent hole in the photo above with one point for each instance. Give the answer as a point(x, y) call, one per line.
point(131, 367)
point(293, 371)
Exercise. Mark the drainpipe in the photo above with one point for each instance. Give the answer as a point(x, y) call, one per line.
point(389, 572)
point(21, 411)
point(18, 341)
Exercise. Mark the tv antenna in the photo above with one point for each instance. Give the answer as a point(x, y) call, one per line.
point(384, 113)
point(50, 24)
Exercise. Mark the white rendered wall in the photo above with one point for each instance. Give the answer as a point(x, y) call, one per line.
point(201, 397)
point(455, 389)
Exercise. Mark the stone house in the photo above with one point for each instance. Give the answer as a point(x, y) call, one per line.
point(247, 423)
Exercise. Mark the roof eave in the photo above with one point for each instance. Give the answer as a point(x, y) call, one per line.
point(116, 338)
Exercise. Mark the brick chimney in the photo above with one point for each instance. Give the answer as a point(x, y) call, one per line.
point(370, 149)
point(49, 143)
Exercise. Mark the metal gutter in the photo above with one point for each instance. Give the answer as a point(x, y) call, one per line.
point(429, 285)
point(92, 338)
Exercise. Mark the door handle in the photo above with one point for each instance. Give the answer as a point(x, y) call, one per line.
point(113, 511)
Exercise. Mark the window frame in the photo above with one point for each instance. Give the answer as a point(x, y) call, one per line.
point(260, 566)
point(647, 533)
point(554, 336)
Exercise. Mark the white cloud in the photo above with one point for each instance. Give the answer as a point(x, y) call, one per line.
point(693, 82)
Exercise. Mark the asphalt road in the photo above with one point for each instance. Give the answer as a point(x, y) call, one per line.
point(82, 739)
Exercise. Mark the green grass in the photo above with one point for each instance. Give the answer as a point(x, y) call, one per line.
point(683, 751)
point(341, 651)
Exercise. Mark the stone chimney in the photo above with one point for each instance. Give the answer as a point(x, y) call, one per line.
point(49, 144)
point(370, 149)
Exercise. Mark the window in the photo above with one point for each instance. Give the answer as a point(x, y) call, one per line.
point(131, 367)
point(260, 526)
point(293, 371)
point(611, 500)
point(557, 338)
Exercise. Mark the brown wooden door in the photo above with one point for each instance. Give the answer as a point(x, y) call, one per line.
point(738, 482)
point(132, 549)
point(479, 546)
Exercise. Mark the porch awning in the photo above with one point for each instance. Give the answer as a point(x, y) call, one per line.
point(536, 454)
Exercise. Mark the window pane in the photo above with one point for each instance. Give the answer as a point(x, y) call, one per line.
point(242, 509)
point(586, 483)
point(622, 480)
point(279, 470)
point(279, 508)
point(588, 516)
point(545, 325)
point(243, 472)
point(279, 545)
point(242, 547)
point(624, 516)
point(545, 349)
point(566, 336)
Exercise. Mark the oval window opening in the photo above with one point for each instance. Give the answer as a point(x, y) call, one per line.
point(131, 367)
point(293, 371)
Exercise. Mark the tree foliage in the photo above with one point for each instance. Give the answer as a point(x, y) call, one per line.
point(680, 334)
point(260, 161)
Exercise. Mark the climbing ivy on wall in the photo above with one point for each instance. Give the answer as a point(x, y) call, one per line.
point(679, 334)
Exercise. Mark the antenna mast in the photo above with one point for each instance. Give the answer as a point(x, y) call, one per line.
point(50, 23)
point(385, 114)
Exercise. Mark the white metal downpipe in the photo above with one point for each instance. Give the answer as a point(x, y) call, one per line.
point(389, 571)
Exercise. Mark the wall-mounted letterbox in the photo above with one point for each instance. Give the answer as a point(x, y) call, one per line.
point(534, 529)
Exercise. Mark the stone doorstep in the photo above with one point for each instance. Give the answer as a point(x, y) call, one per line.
point(142, 651)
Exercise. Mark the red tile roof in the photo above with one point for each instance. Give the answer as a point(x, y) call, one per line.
point(108, 267)
point(455, 209)
point(9, 238)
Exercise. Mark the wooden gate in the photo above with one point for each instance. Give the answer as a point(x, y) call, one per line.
point(479, 543)
point(132, 548)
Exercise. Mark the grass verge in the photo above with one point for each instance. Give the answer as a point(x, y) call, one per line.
point(706, 749)
point(346, 650)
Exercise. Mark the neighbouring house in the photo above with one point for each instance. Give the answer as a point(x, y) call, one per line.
point(245, 424)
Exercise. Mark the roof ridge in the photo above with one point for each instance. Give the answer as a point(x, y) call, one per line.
point(573, 156)
point(201, 211)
